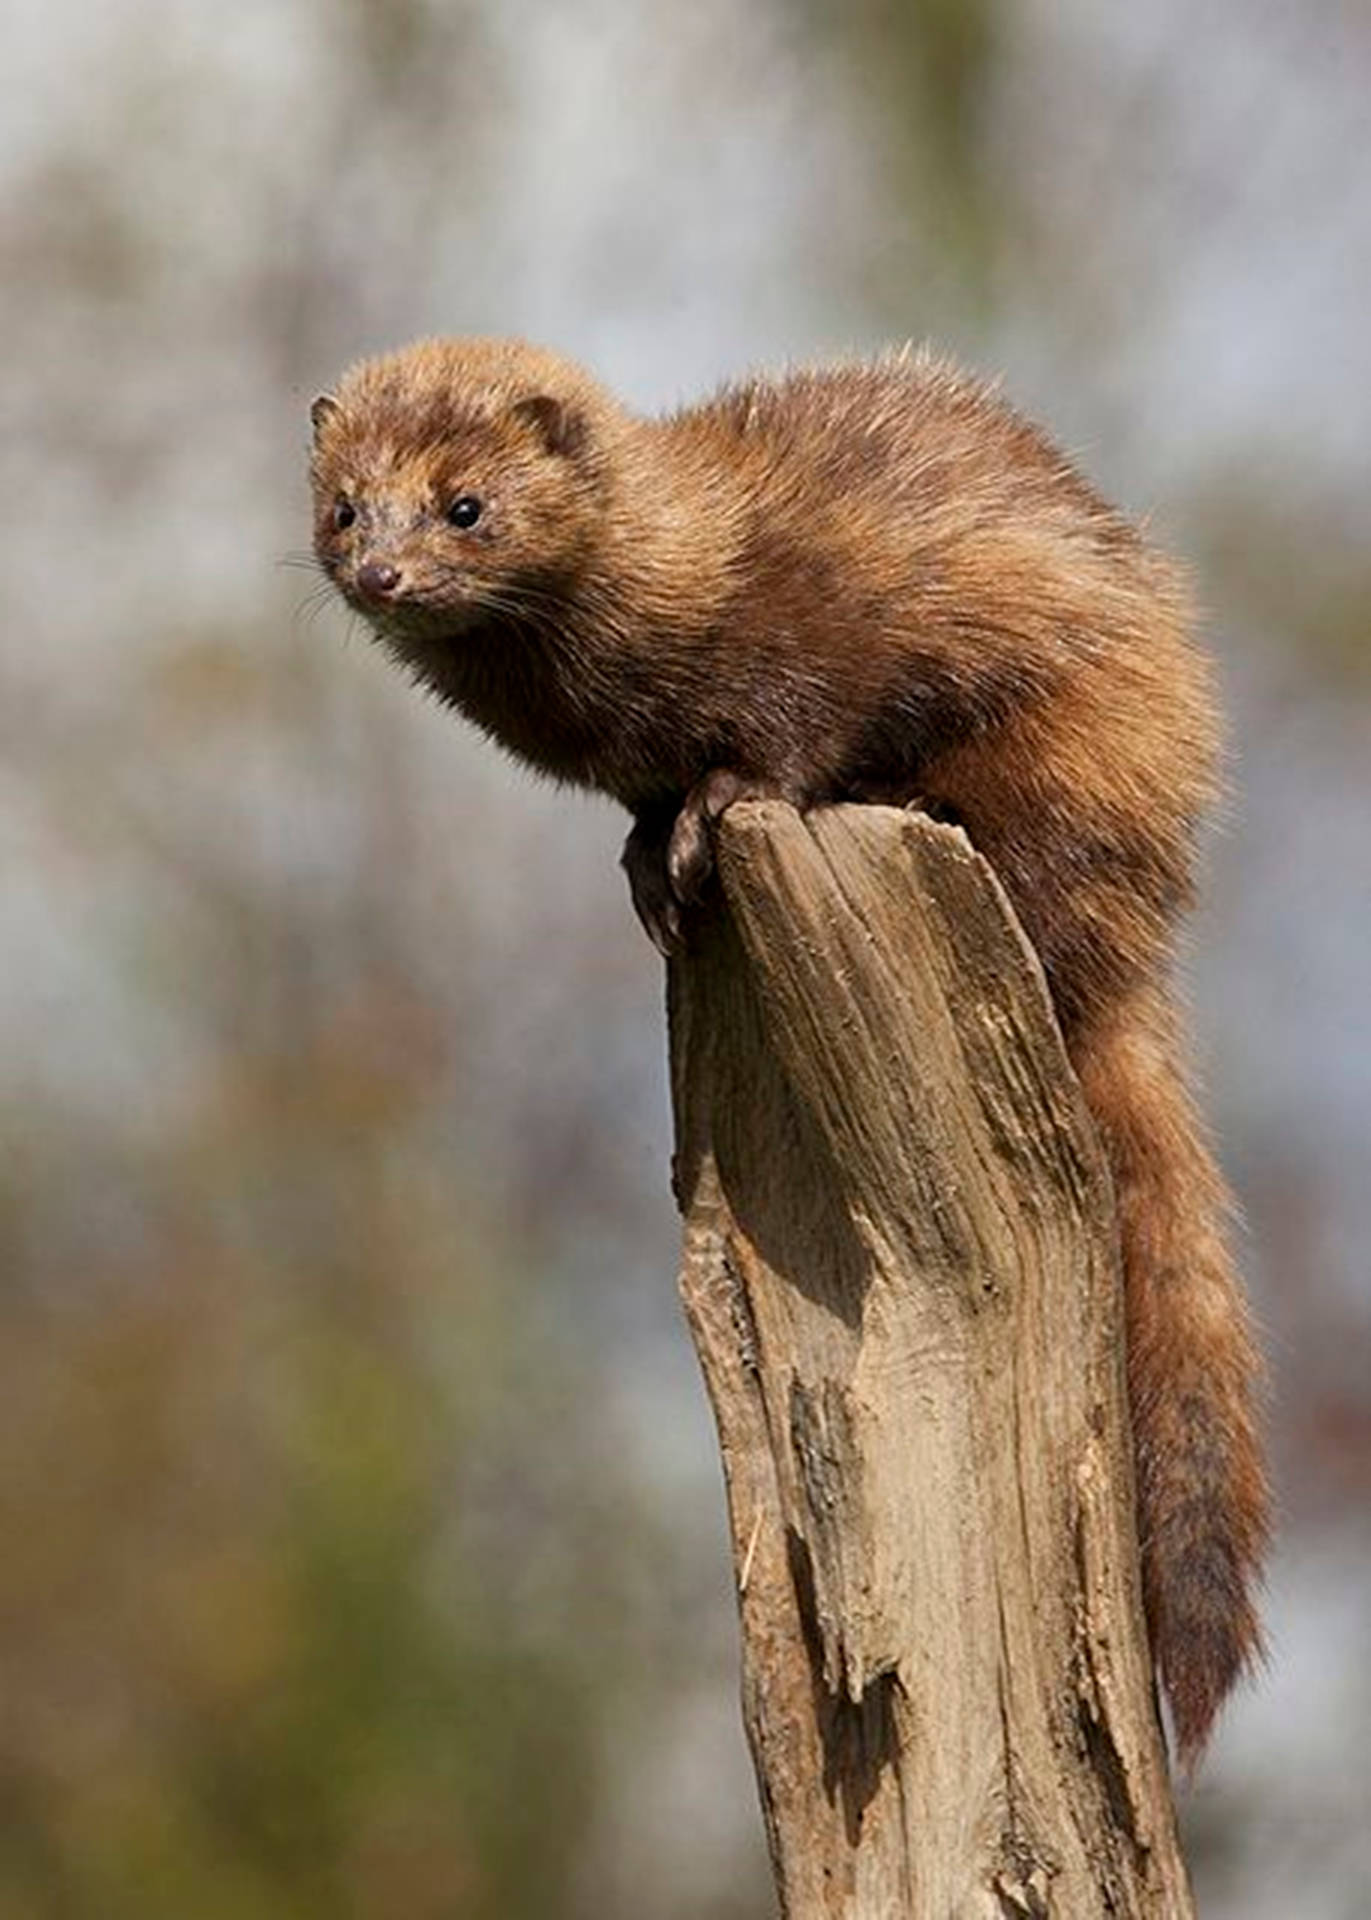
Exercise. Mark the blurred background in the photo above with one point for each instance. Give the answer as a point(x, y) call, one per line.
point(363, 1536)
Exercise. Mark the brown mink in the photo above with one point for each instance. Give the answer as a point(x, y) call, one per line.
point(868, 582)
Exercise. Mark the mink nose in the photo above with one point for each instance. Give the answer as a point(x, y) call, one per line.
point(377, 578)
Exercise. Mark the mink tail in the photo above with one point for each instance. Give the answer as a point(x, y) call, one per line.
point(1193, 1369)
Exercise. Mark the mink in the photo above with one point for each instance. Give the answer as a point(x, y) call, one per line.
point(865, 582)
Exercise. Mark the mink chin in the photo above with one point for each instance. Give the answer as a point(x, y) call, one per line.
point(874, 581)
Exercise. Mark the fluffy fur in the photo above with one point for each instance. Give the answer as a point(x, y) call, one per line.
point(870, 582)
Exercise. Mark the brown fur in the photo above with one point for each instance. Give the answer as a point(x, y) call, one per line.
point(871, 582)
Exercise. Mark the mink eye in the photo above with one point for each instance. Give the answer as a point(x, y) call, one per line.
point(344, 513)
point(464, 511)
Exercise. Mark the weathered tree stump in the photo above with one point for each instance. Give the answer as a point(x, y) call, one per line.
point(901, 1275)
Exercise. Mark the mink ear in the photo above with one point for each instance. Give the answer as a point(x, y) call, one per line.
point(561, 428)
point(321, 410)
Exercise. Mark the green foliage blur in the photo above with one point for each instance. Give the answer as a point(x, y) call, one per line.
point(268, 1647)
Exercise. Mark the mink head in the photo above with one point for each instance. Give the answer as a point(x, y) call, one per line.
point(457, 480)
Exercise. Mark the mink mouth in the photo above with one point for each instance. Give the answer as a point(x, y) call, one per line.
point(410, 622)
point(422, 637)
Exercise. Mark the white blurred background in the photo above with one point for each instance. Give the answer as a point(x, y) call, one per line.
point(364, 1547)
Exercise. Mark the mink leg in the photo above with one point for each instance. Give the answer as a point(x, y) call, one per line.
point(669, 858)
point(644, 861)
point(689, 854)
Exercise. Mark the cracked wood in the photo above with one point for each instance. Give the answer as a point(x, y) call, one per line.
point(901, 1276)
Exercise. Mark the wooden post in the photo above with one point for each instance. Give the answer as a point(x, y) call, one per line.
point(900, 1273)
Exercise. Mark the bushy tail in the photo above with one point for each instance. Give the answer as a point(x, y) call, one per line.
point(1193, 1370)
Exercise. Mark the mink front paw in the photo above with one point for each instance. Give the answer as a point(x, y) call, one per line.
point(667, 866)
point(689, 855)
point(690, 850)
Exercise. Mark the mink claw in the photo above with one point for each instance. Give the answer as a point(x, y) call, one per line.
point(663, 928)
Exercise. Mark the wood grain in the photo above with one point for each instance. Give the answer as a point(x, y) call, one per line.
point(900, 1272)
